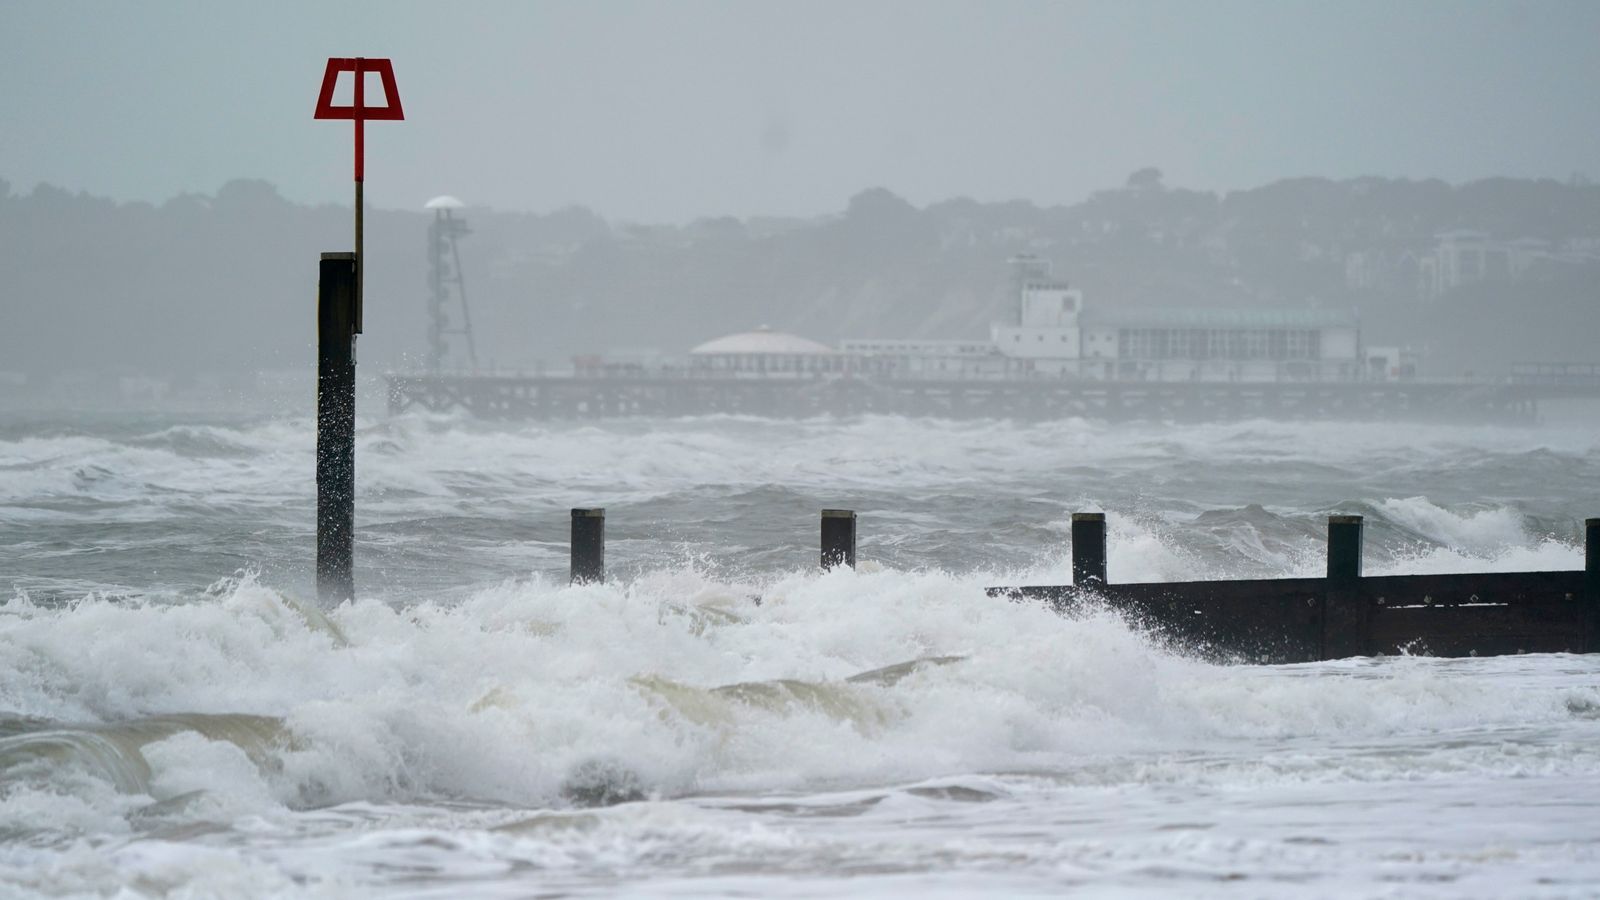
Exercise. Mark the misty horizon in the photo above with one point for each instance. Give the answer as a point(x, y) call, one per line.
point(641, 178)
point(1573, 179)
point(547, 288)
point(658, 113)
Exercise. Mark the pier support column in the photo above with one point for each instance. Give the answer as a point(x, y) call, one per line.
point(336, 426)
point(1345, 615)
point(588, 545)
point(1088, 548)
point(838, 538)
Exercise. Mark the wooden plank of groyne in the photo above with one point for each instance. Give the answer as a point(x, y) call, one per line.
point(1345, 614)
point(1480, 614)
point(1287, 619)
point(1267, 620)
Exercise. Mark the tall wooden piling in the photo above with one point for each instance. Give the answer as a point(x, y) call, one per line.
point(1344, 548)
point(1345, 613)
point(588, 545)
point(1591, 582)
point(1088, 548)
point(838, 538)
point(336, 426)
point(1591, 552)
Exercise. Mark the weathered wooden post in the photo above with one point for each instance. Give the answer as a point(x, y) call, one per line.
point(1591, 551)
point(1344, 548)
point(588, 545)
point(1345, 615)
point(1591, 581)
point(336, 426)
point(838, 538)
point(1088, 548)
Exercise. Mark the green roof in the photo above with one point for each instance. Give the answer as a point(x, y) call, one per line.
point(1223, 318)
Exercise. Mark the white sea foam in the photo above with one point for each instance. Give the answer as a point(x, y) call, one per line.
point(239, 741)
point(1480, 531)
point(504, 696)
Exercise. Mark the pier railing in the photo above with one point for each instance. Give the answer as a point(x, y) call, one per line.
point(1284, 620)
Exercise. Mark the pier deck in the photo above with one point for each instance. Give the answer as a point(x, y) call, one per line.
point(586, 396)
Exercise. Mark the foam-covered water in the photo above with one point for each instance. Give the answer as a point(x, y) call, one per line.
point(177, 717)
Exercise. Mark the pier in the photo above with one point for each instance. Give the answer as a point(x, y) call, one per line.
point(613, 394)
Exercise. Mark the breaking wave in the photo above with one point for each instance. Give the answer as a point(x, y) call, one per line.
point(124, 715)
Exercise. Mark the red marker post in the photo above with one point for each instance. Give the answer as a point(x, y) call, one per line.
point(360, 112)
point(338, 322)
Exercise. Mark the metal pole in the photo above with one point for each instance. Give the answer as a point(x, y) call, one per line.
point(361, 177)
point(360, 256)
point(336, 428)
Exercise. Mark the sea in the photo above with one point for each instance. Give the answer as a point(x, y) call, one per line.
point(180, 717)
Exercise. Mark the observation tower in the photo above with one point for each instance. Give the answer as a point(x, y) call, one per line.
point(447, 292)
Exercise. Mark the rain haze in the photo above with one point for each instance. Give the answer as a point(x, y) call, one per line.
point(647, 177)
point(801, 449)
point(666, 112)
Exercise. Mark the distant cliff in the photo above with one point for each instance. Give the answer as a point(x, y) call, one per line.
point(1479, 273)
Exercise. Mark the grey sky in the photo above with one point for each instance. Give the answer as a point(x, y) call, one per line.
point(664, 111)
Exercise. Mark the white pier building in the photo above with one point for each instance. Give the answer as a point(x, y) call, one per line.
point(1051, 334)
point(1056, 335)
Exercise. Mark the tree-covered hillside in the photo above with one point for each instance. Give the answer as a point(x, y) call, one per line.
point(228, 282)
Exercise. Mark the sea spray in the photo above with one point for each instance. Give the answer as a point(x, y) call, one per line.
point(503, 697)
point(722, 711)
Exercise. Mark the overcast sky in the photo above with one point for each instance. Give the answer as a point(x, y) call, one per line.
point(665, 111)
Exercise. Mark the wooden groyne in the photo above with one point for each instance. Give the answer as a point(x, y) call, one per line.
point(1284, 620)
point(1345, 613)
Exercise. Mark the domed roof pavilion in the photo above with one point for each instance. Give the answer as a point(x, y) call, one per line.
point(763, 341)
point(765, 352)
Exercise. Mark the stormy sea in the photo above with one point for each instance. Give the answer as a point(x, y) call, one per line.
point(180, 717)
